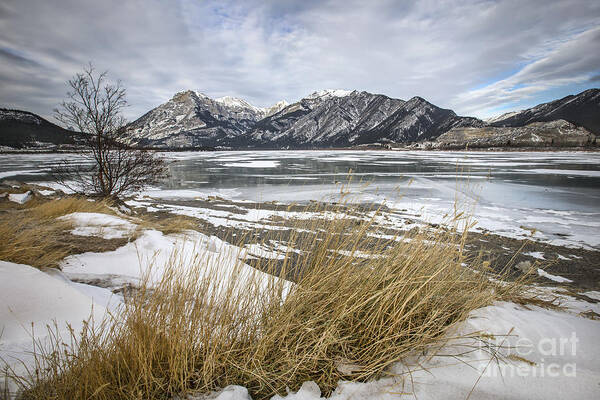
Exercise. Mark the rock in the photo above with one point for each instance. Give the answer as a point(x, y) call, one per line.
point(559, 133)
point(328, 118)
point(231, 392)
point(20, 198)
point(525, 267)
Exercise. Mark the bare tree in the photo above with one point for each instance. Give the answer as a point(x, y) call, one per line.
point(110, 166)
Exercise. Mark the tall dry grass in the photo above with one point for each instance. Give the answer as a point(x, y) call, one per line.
point(33, 235)
point(52, 209)
point(210, 323)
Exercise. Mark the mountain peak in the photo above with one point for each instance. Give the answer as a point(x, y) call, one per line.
point(582, 109)
point(231, 101)
point(327, 93)
point(418, 100)
point(275, 108)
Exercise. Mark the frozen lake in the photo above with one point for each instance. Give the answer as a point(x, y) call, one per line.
point(510, 193)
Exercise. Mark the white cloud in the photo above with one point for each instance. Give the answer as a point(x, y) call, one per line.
point(264, 51)
point(571, 62)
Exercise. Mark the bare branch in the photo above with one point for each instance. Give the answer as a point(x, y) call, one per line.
point(109, 167)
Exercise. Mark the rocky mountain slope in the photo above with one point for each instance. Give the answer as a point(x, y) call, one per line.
point(192, 119)
point(416, 120)
point(22, 129)
point(582, 109)
point(341, 118)
point(328, 118)
point(558, 133)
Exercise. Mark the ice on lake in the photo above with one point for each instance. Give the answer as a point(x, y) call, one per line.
point(554, 195)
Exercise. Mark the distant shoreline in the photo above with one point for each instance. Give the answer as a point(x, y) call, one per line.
point(472, 150)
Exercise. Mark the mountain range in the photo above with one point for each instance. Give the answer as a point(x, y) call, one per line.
point(22, 129)
point(323, 119)
point(582, 109)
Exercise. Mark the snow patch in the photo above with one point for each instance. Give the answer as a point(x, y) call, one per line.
point(535, 254)
point(254, 164)
point(20, 198)
point(554, 278)
point(98, 224)
point(153, 252)
point(327, 93)
point(31, 300)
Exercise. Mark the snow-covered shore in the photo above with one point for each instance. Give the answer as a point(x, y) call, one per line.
point(528, 352)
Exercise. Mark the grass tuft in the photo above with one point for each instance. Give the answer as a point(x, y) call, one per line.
point(208, 324)
point(48, 210)
point(31, 234)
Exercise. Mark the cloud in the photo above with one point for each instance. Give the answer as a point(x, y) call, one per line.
point(471, 55)
point(571, 62)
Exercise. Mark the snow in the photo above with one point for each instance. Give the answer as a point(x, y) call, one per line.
point(31, 300)
point(275, 108)
point(358, 253)
point(6, 174)
point(20, 198)
point(571, 172)
point(329, 93)
point(247, 218)
point(535, 254)
point(263, 251)
point(231, 392)
point(554, 278)
point(554, 353)
point(100, 296)
point(153, 252)
point(38, 298)
point(237, 102)
point(98, 224)
point(501, 117)
point(546, 346)
point(58, 186)
point(187, 194)
point(593, 295)
point(254, 164)
point(508, 195)
point(562, 347)
point(553, 340)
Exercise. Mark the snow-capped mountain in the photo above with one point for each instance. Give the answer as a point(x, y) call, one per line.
point(416, 120)
point(235, 103)
point(275, 108)
point(323, 119)
point(192, 119)
point(328, 93)
point(22, 129)
point(582, 109)
point(336, 118)
point(326, 118)
point(330, 118)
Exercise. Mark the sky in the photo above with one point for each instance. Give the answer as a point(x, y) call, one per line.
point(478, 57)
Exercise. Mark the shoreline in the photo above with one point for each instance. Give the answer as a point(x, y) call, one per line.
point(397, 149)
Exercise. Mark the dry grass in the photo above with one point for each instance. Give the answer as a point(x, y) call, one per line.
point(346, 317)
point(166, 224)
point(31, 234)
point(47, 210)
